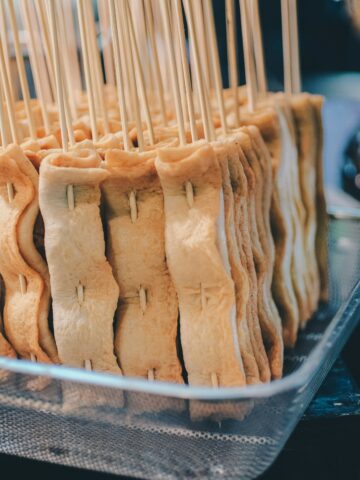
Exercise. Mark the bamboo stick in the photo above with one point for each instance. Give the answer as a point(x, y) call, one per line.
point(232, 56)
point(5, 42)
point(253, 8)
point(197, 7)
point(158, 78)
point(68, 20)
point(48, 94)
point(295, 51)
point(107, 48)
point(122, 17)
point(140, 79)
point(197, 67)
point(214, 53)
point(87, 70)
point(174, 79)
point(178, 60)
point(288, 86)
point(185, 66)
point(44, 33)
point(8, 98)
point(248, 55)
point(36, 69)
point(119, 74)
point(21, 70)
point(66, 61)
point(98, 79)
point(58, 75)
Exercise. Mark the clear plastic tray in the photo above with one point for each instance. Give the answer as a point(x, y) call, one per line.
point(153, 430)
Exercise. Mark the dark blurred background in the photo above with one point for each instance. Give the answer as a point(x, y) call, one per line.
point(330, 65)
point(329, 41)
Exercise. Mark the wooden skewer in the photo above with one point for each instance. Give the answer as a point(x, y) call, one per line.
point(5, 42)
point(185, 67)
point(253, 8)
point(151, 82)
point(80, 288)
point(145, 37)
point(202, 43)
point(294, 40)
point(179, 63)
point(8, 99)
point(214, 53)
point(68, 114)
point(58, 76)
point(3, 129)
point(87, 69)
point(44, 32)
point(189, 191)
point(69, 111)
point(119, 74)
point(249, 70)
point(104, 17)
point(22, 279)
point(141, 79)
point(70, 198)
point(214, 380)
point(196, 57)
point(209, 114)
point(158, 78)
point(66, 61)
point(137, 9)
point(125, 65)
point(87, 365)
point(98, 79)
point(64, 87)
point(143, 301)
point(151, 374)
point(38, 76)
point(174, 79)
point(288, 87)
point(123, 18)
point(197, 7)
point(161, 48)
point(48, 94)
point(21, 70)
point(133, 206)
point(68, 20)
point(232, 56)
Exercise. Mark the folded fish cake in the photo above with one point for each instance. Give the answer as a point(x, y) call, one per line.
point(225, 151)
point(257, 168)
point(299, 269)
point(147, 317)
point(242, 229)
point(197, 258)
point(5, 348)
point(84, 291)
point(306, 129)
point(24, 286)
point(321, 214)
point(268, 122)
point(27, 231)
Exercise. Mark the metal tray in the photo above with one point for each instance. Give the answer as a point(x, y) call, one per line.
point(157, 430)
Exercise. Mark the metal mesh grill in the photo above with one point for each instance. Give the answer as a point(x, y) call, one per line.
point(154, 436)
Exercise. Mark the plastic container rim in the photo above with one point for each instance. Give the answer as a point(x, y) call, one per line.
point(297, 379)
